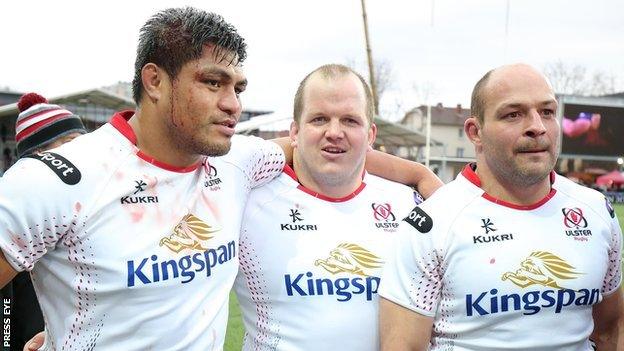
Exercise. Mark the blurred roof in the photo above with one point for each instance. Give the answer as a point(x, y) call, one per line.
point(440, 115)
point(92, 96)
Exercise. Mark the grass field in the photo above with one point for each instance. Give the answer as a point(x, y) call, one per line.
point(619, 209)
point(235, 330)
point(234, 337)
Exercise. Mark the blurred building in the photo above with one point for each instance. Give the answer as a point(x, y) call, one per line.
point(451, 150)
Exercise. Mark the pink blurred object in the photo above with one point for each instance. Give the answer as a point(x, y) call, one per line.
point(576, 128)
point(611, 178)
point(595, 121)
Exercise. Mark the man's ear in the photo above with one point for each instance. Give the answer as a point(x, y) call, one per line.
point(293, 133)
point(152, 78)
point(472, 129)
point(372, 134)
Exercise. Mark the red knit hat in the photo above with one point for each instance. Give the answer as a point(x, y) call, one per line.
point(40, 123)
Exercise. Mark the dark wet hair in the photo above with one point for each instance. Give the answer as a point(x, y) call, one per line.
point(175, 36)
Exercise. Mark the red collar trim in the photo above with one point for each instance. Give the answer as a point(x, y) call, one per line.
point(469, 173)
point(290, 172)
point(120, 122)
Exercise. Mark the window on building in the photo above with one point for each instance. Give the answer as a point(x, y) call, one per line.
point(461, 132)
point(460, 152)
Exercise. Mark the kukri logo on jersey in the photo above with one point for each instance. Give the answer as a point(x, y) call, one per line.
point(137, 196)
point(294, 225)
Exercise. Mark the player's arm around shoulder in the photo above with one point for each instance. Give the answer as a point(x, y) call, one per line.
point(403, 171)
point(260, 160)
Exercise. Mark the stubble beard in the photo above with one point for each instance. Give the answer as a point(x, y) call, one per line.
point(196, 146)
point(512, 171)
point(339, 177)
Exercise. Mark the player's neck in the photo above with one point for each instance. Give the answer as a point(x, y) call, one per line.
point(154, 141)
point(506, 190)
point(335, 190)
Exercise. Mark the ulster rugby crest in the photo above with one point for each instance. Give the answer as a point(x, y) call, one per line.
point(384, 218)
point(542, 268)
point(190, 233)
point(350, 258)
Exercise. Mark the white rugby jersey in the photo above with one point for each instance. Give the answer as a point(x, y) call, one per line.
point(128, 253)
point(496, 276)
point(310, 265)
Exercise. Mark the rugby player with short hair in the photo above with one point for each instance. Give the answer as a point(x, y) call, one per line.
point(510, 255)
point(128, 236)
point(313, 240)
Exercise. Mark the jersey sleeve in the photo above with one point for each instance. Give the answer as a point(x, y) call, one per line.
point(613, 278)
point(34, 212)
point(259, 159)
point(412, 276)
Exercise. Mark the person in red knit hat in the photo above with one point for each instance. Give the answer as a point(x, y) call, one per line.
point(43, 126)
point(40, 126)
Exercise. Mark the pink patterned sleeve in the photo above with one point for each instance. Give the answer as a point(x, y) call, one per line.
point(259, 159)
point(613, 278)
point(34, 213)
point(412, 275)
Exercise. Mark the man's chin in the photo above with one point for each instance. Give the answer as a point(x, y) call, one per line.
point(217, 149)
point(533, 174)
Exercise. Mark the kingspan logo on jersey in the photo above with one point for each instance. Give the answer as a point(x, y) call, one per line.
point(543, 269)
point(295, 217)
point(384, 217)
point(576, 223)
point(190, 233)
point(139, 187)
point(345, 258)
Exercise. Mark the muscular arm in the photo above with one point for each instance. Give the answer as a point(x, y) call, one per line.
point(7, 273)
point(387, 166)
point(609, 323)
point(402, 171)
point(402, 329)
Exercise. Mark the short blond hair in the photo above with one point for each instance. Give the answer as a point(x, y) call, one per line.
point(328, 72)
